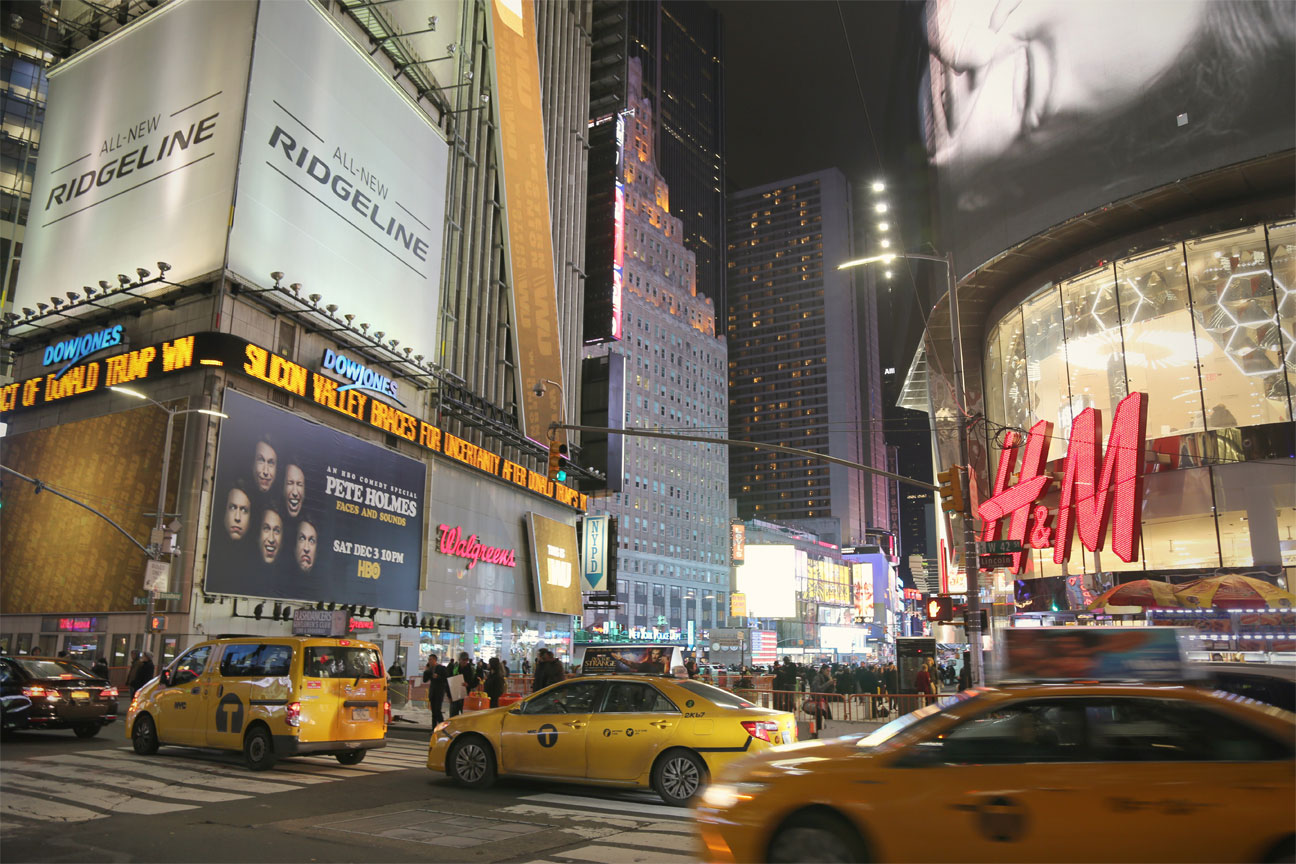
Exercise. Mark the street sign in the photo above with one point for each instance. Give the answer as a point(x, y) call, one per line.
point(168, 595)
point(997, 560)
point(140, 601)
point(993, 546)
point(157, 576)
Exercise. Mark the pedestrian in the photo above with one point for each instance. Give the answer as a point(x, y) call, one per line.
point(143, 672)
point(434, 675)
point(922, 681)
point(63, 655)
point(548, 670)
point(468, 670)
point(745, 679)
point(495, 681)
point(396, 671)
point(526, 666)
point(132, 668)
point(965, 674)
point(691, 666)
point(784, 684)
point(823, 683)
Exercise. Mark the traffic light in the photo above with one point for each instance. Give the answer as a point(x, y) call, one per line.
point(557, 461)
point(951, 490)
point(940, 607)
point(157, 623)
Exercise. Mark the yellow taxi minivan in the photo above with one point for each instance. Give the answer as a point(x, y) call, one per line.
point(268, 696)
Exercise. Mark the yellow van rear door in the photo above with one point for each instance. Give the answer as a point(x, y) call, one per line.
point(343, 693)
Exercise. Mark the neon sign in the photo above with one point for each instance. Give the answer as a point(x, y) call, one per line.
point(452, 542)
point(70, 351)
point(361, 376)
point(1090, 498)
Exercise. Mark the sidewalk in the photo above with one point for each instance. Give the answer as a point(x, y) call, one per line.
point(414, 720)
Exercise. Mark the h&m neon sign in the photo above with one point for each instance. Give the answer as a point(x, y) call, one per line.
point(1097, 487)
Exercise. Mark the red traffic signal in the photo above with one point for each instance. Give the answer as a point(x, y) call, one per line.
point(157, 623)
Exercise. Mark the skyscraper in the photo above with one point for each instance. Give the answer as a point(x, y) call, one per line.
point(798, 330)
point(673, 561)
point(680, 49)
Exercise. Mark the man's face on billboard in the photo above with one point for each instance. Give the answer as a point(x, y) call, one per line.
point(307, 539)
point(271, 536)
point(294, 490)
point(238, 514)
point(265, 464)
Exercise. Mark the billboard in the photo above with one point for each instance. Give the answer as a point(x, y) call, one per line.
point(58, 557)
point(555, 559)
point(1038, 111)
point(304, 512)
point(136, 164)
point(594, 553)
point(768, 576)
point(342, 181)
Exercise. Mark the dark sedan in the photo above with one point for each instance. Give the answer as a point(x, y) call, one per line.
point(63, 695)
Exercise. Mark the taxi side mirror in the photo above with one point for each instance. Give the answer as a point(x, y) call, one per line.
point(166, 677)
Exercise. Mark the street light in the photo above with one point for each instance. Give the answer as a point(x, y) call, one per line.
point(155, 546)
point(972, 620)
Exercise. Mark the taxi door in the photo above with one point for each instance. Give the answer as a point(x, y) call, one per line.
point(181, 707)
point(546, 734)
point(342, 692)
point(634, 725)
point(246, 680)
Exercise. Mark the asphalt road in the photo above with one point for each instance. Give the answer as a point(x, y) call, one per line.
point(65, 799)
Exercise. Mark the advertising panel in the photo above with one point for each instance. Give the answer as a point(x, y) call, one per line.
point(554, 560)
point(768, 577)
point(304, 512)
point(764, 646)
point(136, 163)
point(342, 181)
point(594, 553)
point(525, 189)
point(648, 659)
point(56, 556)
point(1040, 111)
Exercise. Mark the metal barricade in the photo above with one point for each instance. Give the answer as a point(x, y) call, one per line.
point(398, 692)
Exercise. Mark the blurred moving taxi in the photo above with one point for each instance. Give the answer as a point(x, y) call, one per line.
point(268, 696)
point(1081, 771)
point(627, 730)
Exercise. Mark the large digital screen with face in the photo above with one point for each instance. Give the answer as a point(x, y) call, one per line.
point(1040, 110)
point(304, 512)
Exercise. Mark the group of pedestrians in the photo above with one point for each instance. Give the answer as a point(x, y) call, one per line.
point(490, 675)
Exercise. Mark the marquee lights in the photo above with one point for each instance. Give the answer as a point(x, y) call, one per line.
point(1090, 498)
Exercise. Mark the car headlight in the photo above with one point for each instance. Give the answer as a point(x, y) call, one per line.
point(441, 729)
point(722, 796)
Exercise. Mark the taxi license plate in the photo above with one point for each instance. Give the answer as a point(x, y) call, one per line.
point(80, 695)
point(360, 714)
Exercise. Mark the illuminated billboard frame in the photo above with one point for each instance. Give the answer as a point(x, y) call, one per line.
point(769, 578)
point(229, 352)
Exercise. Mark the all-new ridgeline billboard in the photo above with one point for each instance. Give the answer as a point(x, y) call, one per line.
point(341, 180)
point(304, 512)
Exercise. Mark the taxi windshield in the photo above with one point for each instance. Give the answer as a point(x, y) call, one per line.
point(332, 661)
point(722, 698)
point(913, 719)
point(52, 668)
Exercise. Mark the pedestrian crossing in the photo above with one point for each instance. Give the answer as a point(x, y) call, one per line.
point(93, 784)
point(630, 827)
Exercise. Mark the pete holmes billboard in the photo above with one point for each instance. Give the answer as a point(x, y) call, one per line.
point(340, 178)
point(304, 512)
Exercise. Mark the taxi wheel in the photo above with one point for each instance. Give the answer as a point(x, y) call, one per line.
point(816, 837)
point(678, 776)
point(144, 736)
point(86, 730)
point(471, 763)
point(258, 749)
point(351, 757)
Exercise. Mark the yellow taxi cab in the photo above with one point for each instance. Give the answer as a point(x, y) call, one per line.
point(1024, 772)
point(629, 730)
point(268, 696)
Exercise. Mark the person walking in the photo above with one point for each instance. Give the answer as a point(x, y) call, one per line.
point(548, 670)
point(922, 681)
point(784, 684)
point(434, 675)
point(144, 672)
point(495, 681)
point(526, 666)
point(466, 668)
point(100, 668)
point(822, 684)
point(965, 674)
point(132, 669)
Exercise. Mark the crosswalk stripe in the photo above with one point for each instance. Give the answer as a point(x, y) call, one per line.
point(143, 786)
point(239, 782)
point(44, 811)
point(102, 799)
point(624, 808)
point(604, 854)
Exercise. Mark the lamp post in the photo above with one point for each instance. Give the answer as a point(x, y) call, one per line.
point(155, 546)
point(972, 619)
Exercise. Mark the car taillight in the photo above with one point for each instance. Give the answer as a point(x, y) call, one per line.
point(108, 693)
point(760, 728)
point(34, 692)
point(387, 713)
point(294, 714)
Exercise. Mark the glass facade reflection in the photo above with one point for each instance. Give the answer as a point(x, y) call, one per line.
point(1207, 328)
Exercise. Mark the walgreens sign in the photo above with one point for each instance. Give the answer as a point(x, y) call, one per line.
point(1098, 488)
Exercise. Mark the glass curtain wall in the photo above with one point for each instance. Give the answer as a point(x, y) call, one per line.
point(1207, 328)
